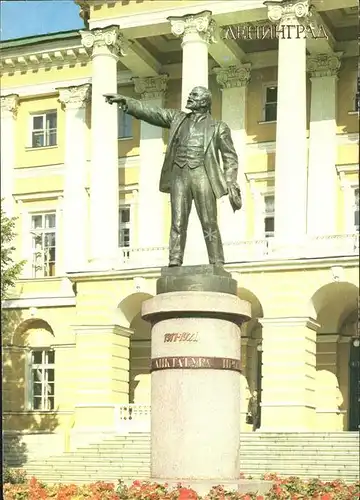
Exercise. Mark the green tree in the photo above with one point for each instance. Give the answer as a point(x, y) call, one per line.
point(10, 270)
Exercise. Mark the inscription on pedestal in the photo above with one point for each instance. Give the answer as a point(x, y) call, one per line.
point(181, 337)
point(195, 362)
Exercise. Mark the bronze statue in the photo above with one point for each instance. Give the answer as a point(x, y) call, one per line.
point(191, 169)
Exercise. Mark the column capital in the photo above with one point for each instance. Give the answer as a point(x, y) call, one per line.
point(74, 97)
point(233, 76)
point(287, 11)
point(200, 24)
point(109, 37)
point(153, 87)
point(9, 105)
point(328, 64)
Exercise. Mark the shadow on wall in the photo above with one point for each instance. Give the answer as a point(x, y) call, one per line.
point(16, 389)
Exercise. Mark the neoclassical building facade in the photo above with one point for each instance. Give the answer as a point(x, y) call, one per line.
point(82, 180)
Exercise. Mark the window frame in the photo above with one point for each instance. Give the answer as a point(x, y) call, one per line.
point(123, 204)
point(30, 379)
point(354, 189)
point(42, 114)
point(269, 193)
point(43, 231)
point(130, 125)
point(264, 101)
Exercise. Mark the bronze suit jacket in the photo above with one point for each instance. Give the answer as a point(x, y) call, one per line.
point(217, 140)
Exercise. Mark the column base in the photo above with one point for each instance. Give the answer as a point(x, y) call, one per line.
point(203, 486)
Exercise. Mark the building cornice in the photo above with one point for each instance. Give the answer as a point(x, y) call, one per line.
point(47, 55)
point(27, 302)
point(248, 267)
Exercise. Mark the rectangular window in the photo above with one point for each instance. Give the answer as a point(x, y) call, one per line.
point(124, 125)
point(124, 226)
point(270, 111)
point(43, 233)
point(42, 377)
point(269, 215)
point(356, 210)
point(44, 129)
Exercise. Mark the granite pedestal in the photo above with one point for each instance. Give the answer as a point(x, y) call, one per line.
point(195, 377)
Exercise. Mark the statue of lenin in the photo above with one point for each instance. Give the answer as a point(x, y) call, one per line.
point(191, 169)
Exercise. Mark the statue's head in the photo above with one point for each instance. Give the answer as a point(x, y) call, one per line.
point(199, 99)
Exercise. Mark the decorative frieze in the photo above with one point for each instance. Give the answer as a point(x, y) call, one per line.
point(48, 59)
point(151, 88)
point(201, 24)
point(109, 37)
point(328, 64)
point(9, 105)
point(287, 12)
point(75, 97)
point(233, 76)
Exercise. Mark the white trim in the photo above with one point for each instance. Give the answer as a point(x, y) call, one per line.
point(44, 88)
point(270, 146)
point(153, 17)
point(91, 329)
point(260, 176)
point(45, 170)
point(129, 188)
point(27, 302)
point(129, 162)
point(46, 195)
point(327, 338)
point(292, 320)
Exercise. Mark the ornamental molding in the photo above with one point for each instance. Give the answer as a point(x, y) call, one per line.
point(109, 37)
point(153, 87)
point(233, 76)
point(74, 97)
point(52, 57)
point(9, 105)
point(287, 11)
point(199, 24)
point(320, 65)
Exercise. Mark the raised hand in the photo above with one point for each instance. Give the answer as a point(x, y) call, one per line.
point(117, 98)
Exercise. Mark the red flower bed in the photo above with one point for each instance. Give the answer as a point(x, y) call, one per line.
point(291, 488)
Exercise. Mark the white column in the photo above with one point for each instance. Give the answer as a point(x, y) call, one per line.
point(106, 45)
point(151, 201)
point(197, 32)
point(75, 216)
point(234, 81)
point(291, 142)
point(9, 106)
point(322, 177)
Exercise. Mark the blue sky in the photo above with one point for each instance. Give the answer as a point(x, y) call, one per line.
point(35, 17)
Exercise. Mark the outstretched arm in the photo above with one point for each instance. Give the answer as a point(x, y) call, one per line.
point(160, 117)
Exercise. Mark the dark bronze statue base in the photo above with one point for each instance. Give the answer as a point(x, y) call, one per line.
point(203, 278)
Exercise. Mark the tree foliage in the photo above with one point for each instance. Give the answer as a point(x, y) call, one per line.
point(10, 270)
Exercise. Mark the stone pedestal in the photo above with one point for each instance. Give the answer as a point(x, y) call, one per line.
point(195, 376)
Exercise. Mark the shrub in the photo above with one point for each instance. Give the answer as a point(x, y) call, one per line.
point(292, 488)
point(13, 476)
